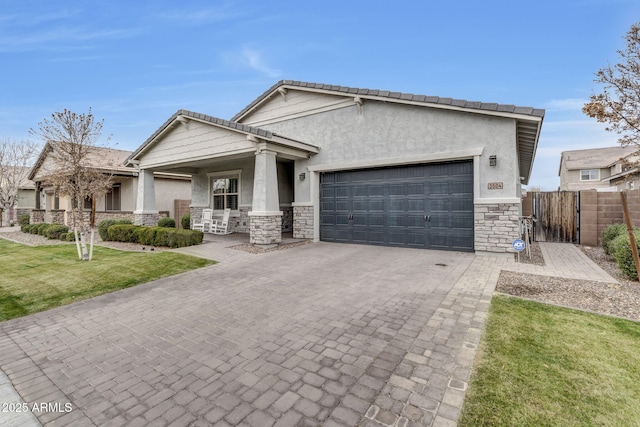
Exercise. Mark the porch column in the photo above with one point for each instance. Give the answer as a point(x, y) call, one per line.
point(265, 218)
point(199, 195)
point(146, 212)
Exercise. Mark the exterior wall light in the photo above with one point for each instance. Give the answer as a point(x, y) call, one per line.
point(493, 160)
point(301, 176)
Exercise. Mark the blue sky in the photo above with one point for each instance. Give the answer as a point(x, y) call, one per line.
point(136, 62)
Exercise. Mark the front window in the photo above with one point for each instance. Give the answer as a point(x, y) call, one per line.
point(225, 193)
point(112, 199)
point(589, 174)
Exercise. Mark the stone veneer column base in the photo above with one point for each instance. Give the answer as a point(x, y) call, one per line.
point(146, 218)
point(265, 230)
point(496, 226)
point(303, 222)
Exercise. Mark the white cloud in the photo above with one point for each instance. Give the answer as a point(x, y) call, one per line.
point(254, 59)
point(567, 104)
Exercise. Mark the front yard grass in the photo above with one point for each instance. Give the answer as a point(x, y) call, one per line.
point(540, 365)
point(34, 279)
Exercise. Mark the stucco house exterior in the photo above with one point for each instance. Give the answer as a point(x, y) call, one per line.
point(119, 202)
point(351, 165)
point(602, 169)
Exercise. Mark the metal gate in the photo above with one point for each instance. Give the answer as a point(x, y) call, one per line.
point(557, 215)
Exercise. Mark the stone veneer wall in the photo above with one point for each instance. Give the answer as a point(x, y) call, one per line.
point(36, 216)
point(55, 216)
point(496, 226)
point(287, 218)
point(303, 222)
point(149, 219)
point(265, 230)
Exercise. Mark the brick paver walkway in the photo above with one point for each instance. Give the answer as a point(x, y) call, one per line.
point(323, 334)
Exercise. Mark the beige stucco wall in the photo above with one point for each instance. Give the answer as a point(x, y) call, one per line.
point(405, 133)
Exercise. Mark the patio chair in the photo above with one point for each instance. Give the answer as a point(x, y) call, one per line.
point(204, 223)
point(221, 227)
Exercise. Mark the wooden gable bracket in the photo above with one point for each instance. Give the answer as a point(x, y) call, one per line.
point(360, 103)
point(184, 121)
point(283, 91)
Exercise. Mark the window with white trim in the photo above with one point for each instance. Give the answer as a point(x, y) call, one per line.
point(225, 192)
point(590, 175)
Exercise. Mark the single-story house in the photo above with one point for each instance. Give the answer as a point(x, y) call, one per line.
point(603, 169)
point(343, 164)
point(25, 199)
point(119, 202)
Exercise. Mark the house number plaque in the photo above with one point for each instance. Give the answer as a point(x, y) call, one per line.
point(495, 186)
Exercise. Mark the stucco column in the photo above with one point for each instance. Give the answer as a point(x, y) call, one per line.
point(146, 212)
point(265, 216)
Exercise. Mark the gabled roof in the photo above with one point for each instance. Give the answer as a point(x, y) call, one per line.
point(22, 173)
point(528, 119)
point(234, 126)
point(433, 101)
point(593, 158)
point(101, 158)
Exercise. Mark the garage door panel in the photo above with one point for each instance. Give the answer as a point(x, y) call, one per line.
point(397, 189)
point(376, 205)
point(342, 192)
point(397, 205)
point(389, 206)
point(376, 190)
point(415, 189)
point(376, 220)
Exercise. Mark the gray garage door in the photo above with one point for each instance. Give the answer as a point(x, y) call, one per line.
point(420, 206)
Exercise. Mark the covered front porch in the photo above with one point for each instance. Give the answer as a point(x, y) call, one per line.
point(247, 170)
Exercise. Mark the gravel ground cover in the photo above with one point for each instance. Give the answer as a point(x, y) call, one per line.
point(36, 240)
point(622, 299)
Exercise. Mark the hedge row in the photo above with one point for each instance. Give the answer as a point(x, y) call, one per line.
point(154, 236)
point(121, 230)
point(616, 242)
point(50, 231)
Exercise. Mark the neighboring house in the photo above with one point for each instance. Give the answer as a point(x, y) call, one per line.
point(343, 164)
point(25, 200)
point(119, 202)
point(602, 169)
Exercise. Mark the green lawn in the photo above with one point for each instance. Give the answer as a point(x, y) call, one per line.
point(34, 279)
point(540, 365)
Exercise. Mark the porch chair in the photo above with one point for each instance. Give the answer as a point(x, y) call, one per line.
point(205, 221)
point(221, 227)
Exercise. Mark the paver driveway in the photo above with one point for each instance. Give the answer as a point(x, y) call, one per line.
point(330, 334)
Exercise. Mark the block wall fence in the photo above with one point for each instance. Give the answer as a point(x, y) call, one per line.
point(597, 211)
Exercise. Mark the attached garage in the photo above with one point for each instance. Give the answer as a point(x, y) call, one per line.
point(418, 206)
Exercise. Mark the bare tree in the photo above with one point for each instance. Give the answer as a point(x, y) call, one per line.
point(619, 103)
point(16, 158)
point(78, 171)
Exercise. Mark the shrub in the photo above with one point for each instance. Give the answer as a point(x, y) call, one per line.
point(624, 255)
point(67, 237)
point(609, 234)
point(182, 238)
point(104, 225)
point(55, 230)
point(122, 233)
point(167, 223)
point(186, 221)
point(23, 219)
point(26, 228)
point(41, 229)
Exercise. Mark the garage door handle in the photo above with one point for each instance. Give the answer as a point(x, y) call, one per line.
point(427, 218)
